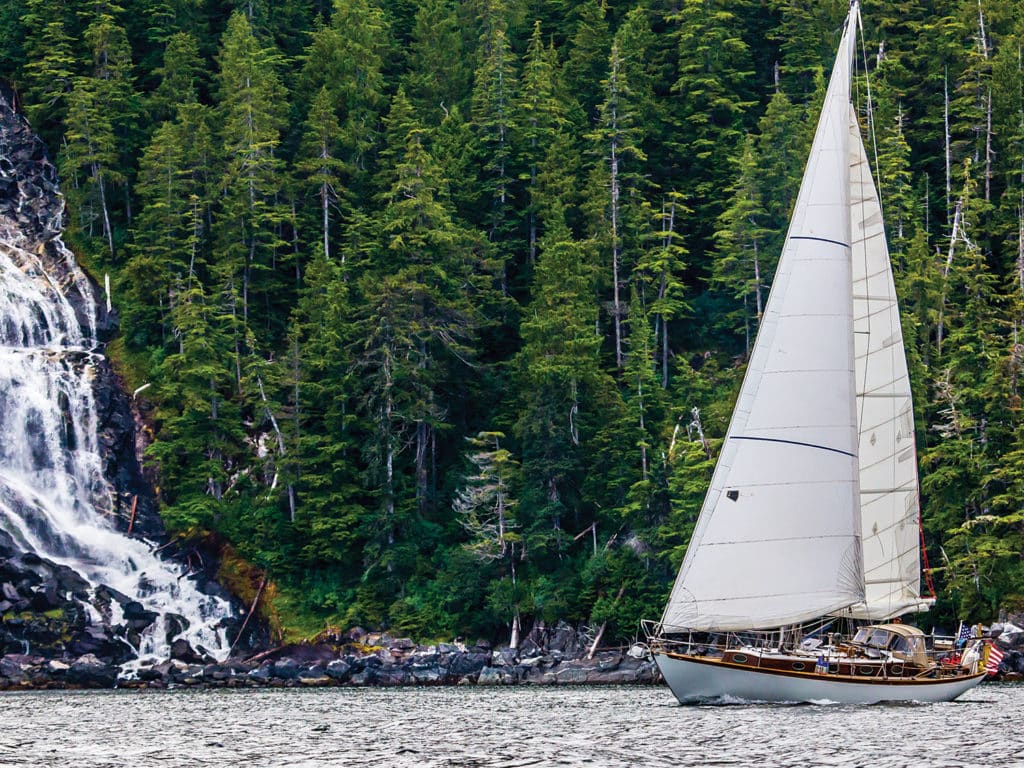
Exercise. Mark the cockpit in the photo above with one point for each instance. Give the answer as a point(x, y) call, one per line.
point(903, 642)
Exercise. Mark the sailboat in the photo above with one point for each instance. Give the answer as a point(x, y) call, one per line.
point(812, 516)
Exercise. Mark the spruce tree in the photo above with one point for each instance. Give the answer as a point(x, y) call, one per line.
point(201, 432)
point(88, 159)
point(170, 237)
point(714, 87)
point(249, 247)
point(969, 403)
point(541, 116)
point(744, 265)
point(494, 128)
point(51, 62)
point(180, 76)
point(616, 186)
point(660, 275)
point(587, 62)
point(557, 371)
point(322, 168)
point(348, 58)
point(439, 73)
point(485, 506)
point(414, 330)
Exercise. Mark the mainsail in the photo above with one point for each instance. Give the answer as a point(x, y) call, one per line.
point(813, 508)
point(778, 540)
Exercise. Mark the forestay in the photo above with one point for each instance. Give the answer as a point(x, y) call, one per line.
point(778, 538)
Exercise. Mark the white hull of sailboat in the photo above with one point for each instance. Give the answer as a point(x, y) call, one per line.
point(702, 680)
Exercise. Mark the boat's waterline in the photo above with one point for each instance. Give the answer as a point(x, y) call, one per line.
point(695, 680)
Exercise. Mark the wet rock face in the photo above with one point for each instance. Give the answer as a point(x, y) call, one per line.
point(117, 443)
point(30, 201)
point(31, 218)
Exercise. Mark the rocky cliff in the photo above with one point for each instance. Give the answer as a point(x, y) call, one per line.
point(73, 584)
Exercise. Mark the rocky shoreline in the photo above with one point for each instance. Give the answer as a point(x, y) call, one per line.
point(358, 658)
point(373, 660)
point(363, 659)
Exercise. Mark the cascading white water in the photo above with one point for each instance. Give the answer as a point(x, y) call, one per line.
point(54, 498)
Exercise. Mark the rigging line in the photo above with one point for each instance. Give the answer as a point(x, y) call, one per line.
point(860, 205)
point(924, 554)
point(871, 109)
point(862, 385)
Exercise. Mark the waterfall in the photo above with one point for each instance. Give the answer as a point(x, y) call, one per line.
point(54, 498)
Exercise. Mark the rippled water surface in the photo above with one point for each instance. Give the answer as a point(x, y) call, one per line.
point(496, 727)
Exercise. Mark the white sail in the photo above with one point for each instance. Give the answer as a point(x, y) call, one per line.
point(888, 458)
point(778, 537)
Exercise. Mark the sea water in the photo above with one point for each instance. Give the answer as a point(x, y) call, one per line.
point(478, 727)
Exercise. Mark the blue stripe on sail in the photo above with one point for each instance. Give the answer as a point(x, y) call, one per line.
point(819, 239)
point(794, 442)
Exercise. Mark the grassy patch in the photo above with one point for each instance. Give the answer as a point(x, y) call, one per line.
point(130, 365)
point(53, 613)
point(283, 608)
point(297, 623)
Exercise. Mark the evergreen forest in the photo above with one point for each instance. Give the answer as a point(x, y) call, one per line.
point(441, 307)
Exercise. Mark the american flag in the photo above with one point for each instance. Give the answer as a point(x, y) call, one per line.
point(963, 635)
point(995, 655)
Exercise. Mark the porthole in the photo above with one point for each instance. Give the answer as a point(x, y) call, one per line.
point(739, 658)
point(867, 670)
point(898, 670)
point(798, 666)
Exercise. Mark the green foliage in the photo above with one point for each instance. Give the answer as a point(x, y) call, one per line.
point(438, 76)
point(348, 58)
point(180, 76)
point(345, 238)
point(714, 88)
point(50, 63)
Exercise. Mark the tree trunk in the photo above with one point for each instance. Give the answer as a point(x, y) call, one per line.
point(945, 274)
point(948, 152)
point(616, 304)
point(533, 213)
point(600, 632)
point(757, 285)
point(389, 457)
point(97, 172)
point(252, 608)
point(643, 445)
point(988, 147)
point(513, 642)
point(668, 230)
point(422, 442)
point(325, 211)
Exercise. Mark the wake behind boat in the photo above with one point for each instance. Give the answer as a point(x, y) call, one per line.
point(813, 513)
